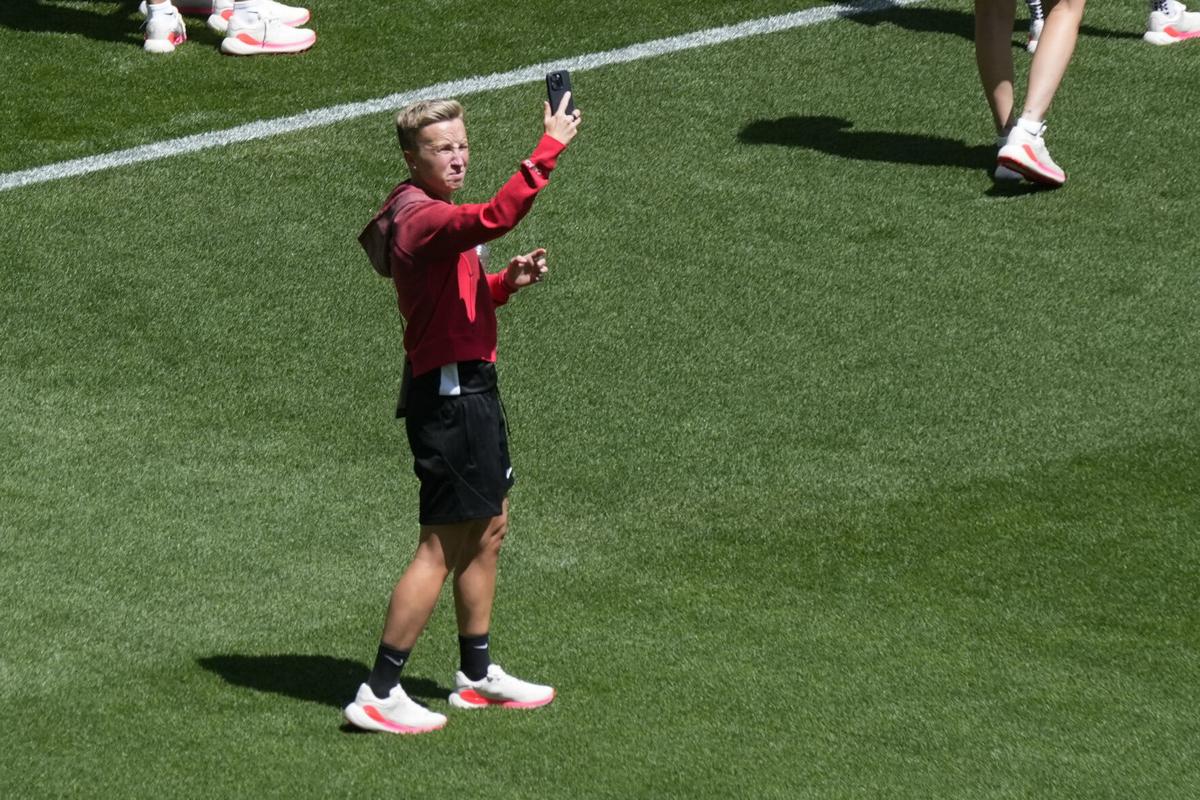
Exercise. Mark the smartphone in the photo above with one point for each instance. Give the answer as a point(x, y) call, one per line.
point(558, 83)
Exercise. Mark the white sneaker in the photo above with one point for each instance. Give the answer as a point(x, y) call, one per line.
point(1025, 152)
point(163, 31)
point(251, 34)
point(498, 688)
point(1177, 25)
point(397, 714)
point(1035, 33)
point(292, 16)
point(1003, 174)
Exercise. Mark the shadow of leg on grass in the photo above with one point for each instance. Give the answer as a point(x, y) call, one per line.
point(95, 21)
point(834, 136)
point(316, 679)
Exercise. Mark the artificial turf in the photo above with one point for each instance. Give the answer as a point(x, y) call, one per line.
point(841, 474)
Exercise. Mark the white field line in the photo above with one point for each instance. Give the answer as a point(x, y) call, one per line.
point(501, 80)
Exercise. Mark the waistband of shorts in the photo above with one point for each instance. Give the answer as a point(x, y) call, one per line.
point(456, 378)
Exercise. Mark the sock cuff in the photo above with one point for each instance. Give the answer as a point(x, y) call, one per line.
point(1033, 127)
point(473, 640)
point(395, 652)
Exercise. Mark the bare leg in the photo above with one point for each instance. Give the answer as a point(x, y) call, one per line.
point(474, 591)
point(993, 55)
point(416, 593)
point(1053, 54)
point(475, 577)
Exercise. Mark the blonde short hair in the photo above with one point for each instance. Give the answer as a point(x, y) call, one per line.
point(411, 118)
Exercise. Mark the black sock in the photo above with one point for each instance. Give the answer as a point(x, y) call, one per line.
point(474, 658)
point(386, 672)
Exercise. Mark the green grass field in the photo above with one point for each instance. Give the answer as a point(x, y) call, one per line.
point(841, 474)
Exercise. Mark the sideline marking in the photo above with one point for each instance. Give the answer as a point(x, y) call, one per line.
point(264, 129)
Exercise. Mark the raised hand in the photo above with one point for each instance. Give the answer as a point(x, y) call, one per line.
point(559, 124)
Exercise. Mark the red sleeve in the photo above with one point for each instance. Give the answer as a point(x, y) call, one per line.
point(499, 288)
point(448, 227)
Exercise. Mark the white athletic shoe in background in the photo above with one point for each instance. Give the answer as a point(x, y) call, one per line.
point(1025, 152)
point(1003, 174)
point(498, 688)
point(251, 33)
point(222, 11)
point(1177, 25)
point(163, 30)
point(1035, 33)
point(397, 714)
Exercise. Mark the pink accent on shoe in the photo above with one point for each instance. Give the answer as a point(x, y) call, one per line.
point(1179, 35)
point(1027, 173)
point(246, 38)
point(1048, 176)
point(534, 704)
point(1049, 171)
point(375, 714)
point(476, 699)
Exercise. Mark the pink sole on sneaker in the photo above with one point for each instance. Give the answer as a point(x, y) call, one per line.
point(1038, 173)
point(246, 45)
point(1170, 35)
point(476, 700)
point(376, 721)
point(375, 714)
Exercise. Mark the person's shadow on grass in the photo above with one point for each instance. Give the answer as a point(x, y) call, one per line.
point(834, 136)
point(36, 16)
point(315, 679)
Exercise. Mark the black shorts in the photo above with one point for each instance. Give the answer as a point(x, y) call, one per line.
point(460, 448)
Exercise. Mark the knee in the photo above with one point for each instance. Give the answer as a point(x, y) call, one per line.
point(434, 555)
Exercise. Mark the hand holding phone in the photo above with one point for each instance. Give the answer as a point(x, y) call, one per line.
point(558, 86)
point(561, 117)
